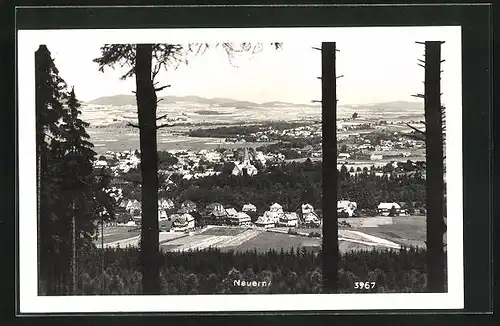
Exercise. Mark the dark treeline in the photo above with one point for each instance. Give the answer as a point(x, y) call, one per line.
point(212, 271)
point(246, 130)
point(71, 194)
point(292, 185)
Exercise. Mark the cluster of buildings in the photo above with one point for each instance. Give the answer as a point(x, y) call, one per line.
point(188, 214)
point(190, 164)
point(271, 134)
point(364, 146)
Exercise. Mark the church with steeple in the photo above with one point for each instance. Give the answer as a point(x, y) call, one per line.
point(245, 167)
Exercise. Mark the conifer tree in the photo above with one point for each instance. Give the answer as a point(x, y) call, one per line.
point(70, 193)
point(49, 105)
point(83, 189)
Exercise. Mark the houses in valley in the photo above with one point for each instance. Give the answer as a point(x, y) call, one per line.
point(265, 221)
point(249, 208)
point(376, 157)
point(230, 211)
point(289, 219)
point(165, 204)
point(309, 216)
point(182, 222)
point(389, 209)
point(187, 206)
point(240, 219)
point(346, 207)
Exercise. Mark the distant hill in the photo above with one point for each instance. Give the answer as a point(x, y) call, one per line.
point(116, 100)
point(395, 106)
point(389, 106)
point(123, 100)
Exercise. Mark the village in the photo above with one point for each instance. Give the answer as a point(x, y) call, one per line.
point(188, 217)
point(364, 147)
point(199, 164)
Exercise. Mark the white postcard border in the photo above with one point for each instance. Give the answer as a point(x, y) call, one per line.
point(28, 42)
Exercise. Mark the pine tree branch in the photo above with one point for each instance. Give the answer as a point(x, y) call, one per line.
point(158, 101)
point(161, 117)
point(130, 124)
point(164, 125)
point(156, 70)
point(161, 88)
point(417, 130)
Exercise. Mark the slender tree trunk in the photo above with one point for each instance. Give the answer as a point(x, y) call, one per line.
point(73, 249)
point(102, 253)
point(146, 106)
point(39, 140)
point(435, 168)
point(329, 112)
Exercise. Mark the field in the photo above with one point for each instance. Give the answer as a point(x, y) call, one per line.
point(364, 233)
point(121, 139)
point(409, 231)
point(108, 129)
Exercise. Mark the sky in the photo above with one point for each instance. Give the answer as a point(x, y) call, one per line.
point(379, 65)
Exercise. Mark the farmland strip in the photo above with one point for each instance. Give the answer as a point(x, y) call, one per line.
point(374, 239)
point(240, 238)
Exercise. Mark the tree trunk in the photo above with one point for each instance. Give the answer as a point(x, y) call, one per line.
point(73, 248)
point(329, 113)
point(146, 107)
point(39, 107)
point(435, 168)
point(102, 253)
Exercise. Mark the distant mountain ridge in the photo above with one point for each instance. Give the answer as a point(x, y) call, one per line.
point(121, 100)
point(124, 100)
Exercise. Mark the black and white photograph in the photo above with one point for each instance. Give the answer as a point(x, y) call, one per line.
point(255, 169)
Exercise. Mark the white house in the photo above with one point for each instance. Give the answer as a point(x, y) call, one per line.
point(240, 219)
point(249, 208)
point(307, 209)
point(165, 203)
point(346, 206)
point(312, 219)
point(288, 219)
point(137, 218)
point(376, 157)
point(133, 205)
point(162, 215)
point(123, 204)
point(385, 208)
point(231, 212)
point(214, 207)
point(276, 208)
point(273, 214)
point(189, 206)
point(215, 211)
point(343, 155)
point(100, 163)
point(182, 222)
point(265, 221)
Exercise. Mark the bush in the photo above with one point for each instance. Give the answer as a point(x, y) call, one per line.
point(314, 235)
point(292, 231)
point(344, 224)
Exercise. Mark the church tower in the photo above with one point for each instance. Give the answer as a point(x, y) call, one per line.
point(246, 158)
